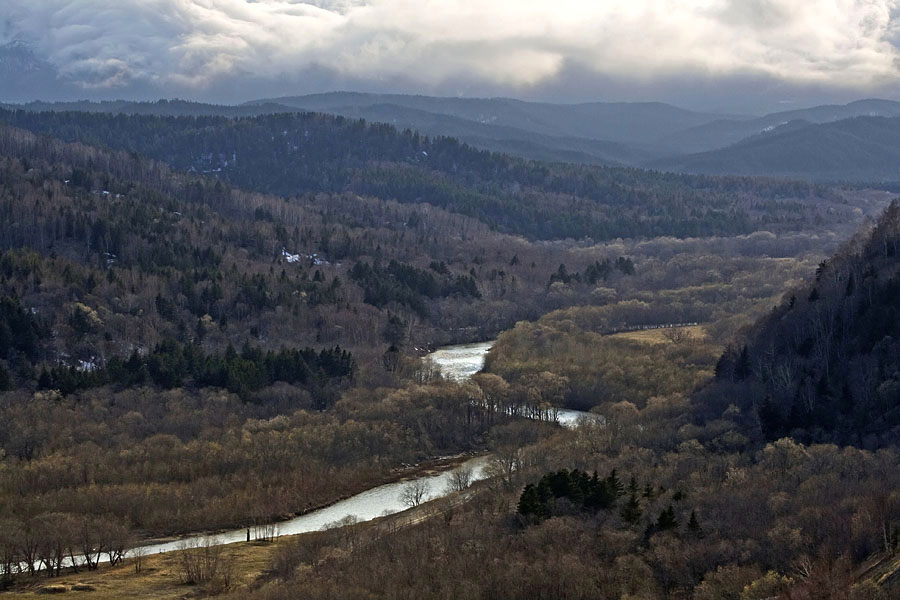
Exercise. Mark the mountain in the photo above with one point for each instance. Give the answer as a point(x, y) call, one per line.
point(597, 133)
point(163, 108)
point(862, 149)
point(499, 138)
point(624, 122)
point(302, 154)
point(824, 365)
point(725, 132)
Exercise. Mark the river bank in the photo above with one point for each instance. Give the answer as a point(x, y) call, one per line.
point(434, 478)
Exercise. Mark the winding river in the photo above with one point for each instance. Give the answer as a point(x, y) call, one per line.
point(455, 362)
point(464, 360)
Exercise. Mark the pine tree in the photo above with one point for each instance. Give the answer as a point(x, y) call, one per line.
point(632, 512)
point(615, 484)
point(742, 368)
point(530, 504)
point(667, 520)
point(632, 486)
point(600, 495)
point(694, 525)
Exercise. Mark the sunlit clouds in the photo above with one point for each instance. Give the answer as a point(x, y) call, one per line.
point(193, 45)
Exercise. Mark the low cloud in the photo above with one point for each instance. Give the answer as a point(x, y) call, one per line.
point(195, 47)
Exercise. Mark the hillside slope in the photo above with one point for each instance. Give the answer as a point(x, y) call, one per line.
point(858, 149)
point(725, 132)
point(633, 123)
point(294, 154)
point(823, 365)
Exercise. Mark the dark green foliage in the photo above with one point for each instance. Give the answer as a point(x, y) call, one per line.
point(598, 271)
point(693, 526)
point(20, 331)
point(584, 491)
point(394, 330)
point(615, 484)
point(562, 275)
point(828, 369)
point(405, 284)
point(334, 154)
point(667, 520)
point(530, 503)
point(593, 273)
point(172, 365)
point(631, 511)
point(625, 265)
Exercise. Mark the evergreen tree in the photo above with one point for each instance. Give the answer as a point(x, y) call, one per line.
point(632, 512)
point(694, 525)
point(530, 504)
point(667, 520)
point(615, 484)
point(632, 485)
point(742, 368)
point(600, 495)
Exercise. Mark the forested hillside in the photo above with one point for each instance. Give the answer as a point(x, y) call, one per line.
point(823, 364)
point(721, 133)
point(105, 254)
point(292, 154)
point(167, 341)
point(861, 149)
point(180, 354)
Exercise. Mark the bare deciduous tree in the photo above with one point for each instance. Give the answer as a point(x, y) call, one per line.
point(204, 562)
point(137, 554)
point(460, 478)
point(414, 493)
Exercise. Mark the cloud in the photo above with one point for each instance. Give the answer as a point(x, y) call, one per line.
point(194, 46)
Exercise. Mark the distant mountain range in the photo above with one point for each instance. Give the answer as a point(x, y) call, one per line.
point(652, 135)
point(856, 142)
point(725, 132)
point(635, 123)
point(856, 149)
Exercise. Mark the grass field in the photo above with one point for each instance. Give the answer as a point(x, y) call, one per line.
point(665, 336)
point(160, 577)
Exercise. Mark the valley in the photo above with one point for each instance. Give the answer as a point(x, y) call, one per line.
point(217, 324)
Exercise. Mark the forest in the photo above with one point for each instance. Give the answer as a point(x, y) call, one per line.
point(194, 340)
point(822, 365)
point(292, 154)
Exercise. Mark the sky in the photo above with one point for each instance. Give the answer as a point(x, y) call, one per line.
point(726, 55)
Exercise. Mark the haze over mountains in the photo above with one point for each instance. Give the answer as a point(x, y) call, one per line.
point(853, 142)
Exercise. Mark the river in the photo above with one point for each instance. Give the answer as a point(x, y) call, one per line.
point(455, 362)
point(464, 360)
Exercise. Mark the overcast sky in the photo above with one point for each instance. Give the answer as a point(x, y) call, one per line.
point(730, 55)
